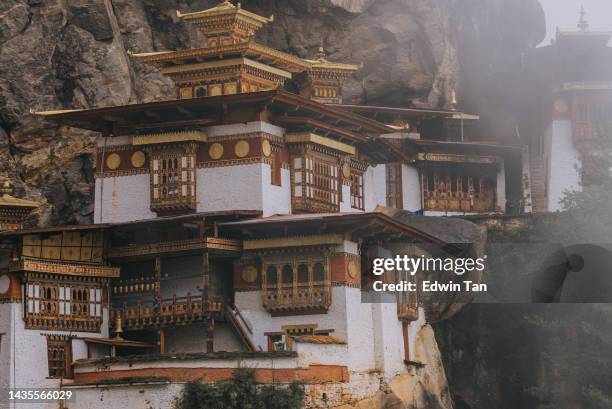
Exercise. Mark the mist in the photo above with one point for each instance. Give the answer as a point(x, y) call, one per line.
point(564, 14)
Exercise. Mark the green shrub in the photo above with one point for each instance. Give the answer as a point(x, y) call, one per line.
point(241, 392)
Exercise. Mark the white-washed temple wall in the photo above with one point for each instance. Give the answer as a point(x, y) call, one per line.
point(122, 198)
point(250, 305)
point(501, 187)
point(375, 187)
point(564, 165)
point(276, 199)
point(7, 315)
point(29, 360)
point(411, 188)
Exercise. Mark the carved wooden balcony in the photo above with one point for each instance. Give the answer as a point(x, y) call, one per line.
point(296, 298)
point(460, 202)
point(172, 311)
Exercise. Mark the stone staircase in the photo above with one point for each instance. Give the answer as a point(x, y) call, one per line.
point(537, 169)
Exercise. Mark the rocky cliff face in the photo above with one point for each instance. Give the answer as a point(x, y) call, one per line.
point(57, 54)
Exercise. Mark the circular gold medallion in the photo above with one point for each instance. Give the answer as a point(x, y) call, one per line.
point(242, 149)
point(266, 148)
point(352, 269)
point(113, 161)
point(215, 151)
point(561, 105)
point(138, 159)
point(249, 274)
point(346, 170)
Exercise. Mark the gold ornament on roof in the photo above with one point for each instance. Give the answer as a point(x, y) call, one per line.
point(321, 53)
point(583, 24)
point(7, 188)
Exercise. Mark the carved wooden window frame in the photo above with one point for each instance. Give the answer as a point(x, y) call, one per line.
point(357, 190)
point(173, 180)
point(59, 356)
point(316, 183)
point(63, 304)
point(395, 195)
point(319, 279)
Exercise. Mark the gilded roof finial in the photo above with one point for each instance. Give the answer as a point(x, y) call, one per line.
point(453, 102)
point(583, 24)
point(321, 54)
point(7, 188)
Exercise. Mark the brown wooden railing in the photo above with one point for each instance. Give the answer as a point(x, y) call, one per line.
point(297, 297)
point(173, 311)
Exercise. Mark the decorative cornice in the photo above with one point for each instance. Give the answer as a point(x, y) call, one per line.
point(448, 157)
point(55, 267)
point(169, 137)
point(210, 243)
point(297, 241)
point(321, 140)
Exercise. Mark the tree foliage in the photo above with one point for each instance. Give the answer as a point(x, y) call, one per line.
point(241, 392)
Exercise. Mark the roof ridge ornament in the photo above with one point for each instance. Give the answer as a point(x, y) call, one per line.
point(7, 188)
point(321, 55)
point(583, 23)
point(453, 102)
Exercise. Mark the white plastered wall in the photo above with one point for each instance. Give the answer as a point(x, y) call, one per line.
point(411, 188)
point(6, 343)
point(501, 186)
point(345, 204)
point(122, 198)
point(243, 187)
point(375, 187)
point(564, 164)
point(27, 349)
point(250, 305)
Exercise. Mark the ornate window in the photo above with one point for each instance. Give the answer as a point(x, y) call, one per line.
point(394, 185)
point(63, 306)
point(173, 187)
point(455, 191)
point(296, 285)
point(357, 201)
point(316, 183)
point(591, 118)
point(59, 356)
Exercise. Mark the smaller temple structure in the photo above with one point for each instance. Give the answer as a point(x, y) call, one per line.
point(570, 135)
point(13, 211)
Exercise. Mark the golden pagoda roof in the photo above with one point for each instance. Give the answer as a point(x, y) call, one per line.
point(224, 64)
point(223, 9)
point(6, 200)
point(324, 64)
point(321, 63)
point(250, 49)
